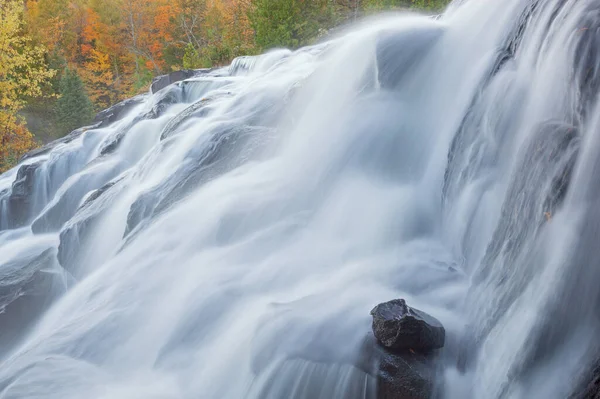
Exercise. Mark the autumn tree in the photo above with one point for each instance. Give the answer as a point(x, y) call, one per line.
point(118, 46)
point(239, 35)
point(23, 73)
point(141, 32)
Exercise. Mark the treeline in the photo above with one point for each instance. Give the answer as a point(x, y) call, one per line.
point(62, 60)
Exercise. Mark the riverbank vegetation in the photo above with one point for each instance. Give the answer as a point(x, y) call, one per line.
point(61, 60)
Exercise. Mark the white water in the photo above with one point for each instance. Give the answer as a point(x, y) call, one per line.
point(309, 187)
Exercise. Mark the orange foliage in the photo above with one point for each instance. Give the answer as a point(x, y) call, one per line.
point(15, 140)
point(116, 46)
point(239, 33)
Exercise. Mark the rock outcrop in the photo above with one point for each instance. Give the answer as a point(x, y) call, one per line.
point(27, 288)
point(160, 82)
point(398, 326)
point(403, 350)
point(21, 197)
point(118, 111)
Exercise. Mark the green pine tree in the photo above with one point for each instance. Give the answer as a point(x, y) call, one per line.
point(289, 23)
point(73, 108)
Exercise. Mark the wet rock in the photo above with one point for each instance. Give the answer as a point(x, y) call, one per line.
point(398, 326)
point(229, 148)
point(198, 109)
point(21, 197)
point(64, 140)
point(399, 374)
point(589, 384)
point(94, 195)
point(160, 82)
point(166, 99)
point(118, 111)
point(586, 61)
point(405, 376)
point(77, 234)
point(111, 146)
point(27, 287)
point(66, 202)
point(514, 39)
point(173, 95)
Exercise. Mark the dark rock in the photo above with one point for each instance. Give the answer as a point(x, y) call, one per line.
point(165, 100)
point(27, 288)
point(398, 326)
point(228, 148)
point(514, 39)
point(586, 60)
point(64, 140)
point(111, 146)
point(23, 184)
point(160, 82)
point(173, 95)
point(118, 111)
point(405, 376)
point(77, 233)
point(400, 374)
point(65, 204)
point(588, 382)
point(21, 197)
point(198, 109)
point(94, 195)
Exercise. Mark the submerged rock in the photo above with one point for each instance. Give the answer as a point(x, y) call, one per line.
point(399, 374)
point(77, 234)
point(402, 350)
point(398, 326)
point(400, 51)
point(405, 376)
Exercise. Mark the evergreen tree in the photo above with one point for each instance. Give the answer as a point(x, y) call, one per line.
point(289, 23)
point(73, 108)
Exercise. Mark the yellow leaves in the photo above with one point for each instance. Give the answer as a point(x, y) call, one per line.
point(15, 140)
point(239, 34)
point(98, 76)
point(23, 73)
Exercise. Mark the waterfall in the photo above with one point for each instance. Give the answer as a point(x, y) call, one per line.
point(227, 236)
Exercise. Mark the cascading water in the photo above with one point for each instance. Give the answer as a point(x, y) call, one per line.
point(227, 236)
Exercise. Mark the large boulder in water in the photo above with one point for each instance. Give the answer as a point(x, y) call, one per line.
point(398, 326)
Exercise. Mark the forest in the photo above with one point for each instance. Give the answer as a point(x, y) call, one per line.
point(63, 60)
